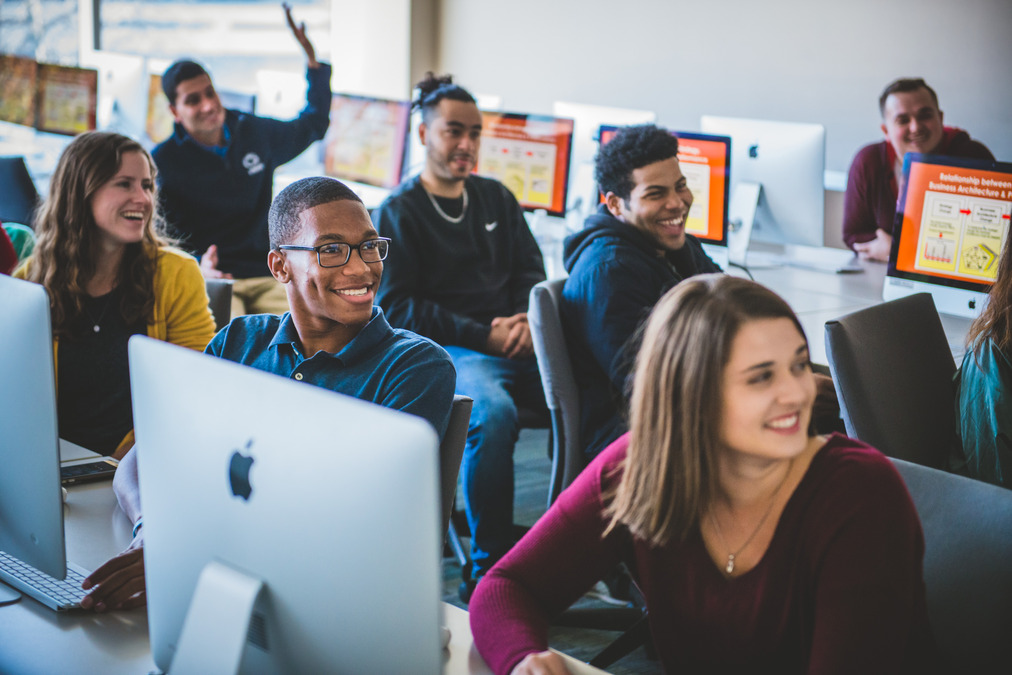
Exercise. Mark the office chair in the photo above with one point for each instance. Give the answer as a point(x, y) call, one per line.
point(893, 370)
point(18, 196)
point(219, 295)
point(451, 451)
point(563, 398)
point(967, 545)
point(562, 394)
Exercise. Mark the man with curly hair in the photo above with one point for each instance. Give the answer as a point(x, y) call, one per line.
point(630, 252)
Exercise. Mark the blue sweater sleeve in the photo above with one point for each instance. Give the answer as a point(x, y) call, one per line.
point(290, 138)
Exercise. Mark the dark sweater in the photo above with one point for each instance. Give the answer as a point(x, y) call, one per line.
point(870, 201)
point(447, 281)
point(616, 276)
point(209, 199)
point(839, 590)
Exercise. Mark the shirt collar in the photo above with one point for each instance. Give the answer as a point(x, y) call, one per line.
point(376, 331)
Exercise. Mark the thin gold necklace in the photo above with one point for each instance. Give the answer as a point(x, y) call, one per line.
point(731, 557)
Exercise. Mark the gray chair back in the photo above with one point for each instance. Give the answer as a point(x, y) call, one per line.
point(561, 392)
point(967, 574)
point(451, 451)
point(18, 196)
point(893, 371)
point(219, 295)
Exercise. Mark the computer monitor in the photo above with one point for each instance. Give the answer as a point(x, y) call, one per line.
point(159, 123)
point(587, 121)
point(367, 140)
point(18, 76)
point(705, 162)
point(323, 510)
point(529, 154)
point(952, 219)
point(238, 100)
point(67, 99)
point(777, 176)
point(31, 502)
point(122, 82)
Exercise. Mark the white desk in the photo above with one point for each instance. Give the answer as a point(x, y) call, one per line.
point(818, 297)
point(36, 639)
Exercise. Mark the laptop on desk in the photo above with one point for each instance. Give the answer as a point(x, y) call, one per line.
point(32, 548)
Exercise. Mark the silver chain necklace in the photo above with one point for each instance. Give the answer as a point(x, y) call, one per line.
point(731, 557)
point(441, 212)
point(96, 327)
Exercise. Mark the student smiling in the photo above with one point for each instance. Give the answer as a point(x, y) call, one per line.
point(758, 546)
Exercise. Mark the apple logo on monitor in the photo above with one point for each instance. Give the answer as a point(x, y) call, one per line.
point(753, 151)
point(238, 472)
point(973, 304)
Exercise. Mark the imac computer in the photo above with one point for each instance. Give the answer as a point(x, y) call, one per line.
point(952, 220)
point(366, 143)
point(122, 81)
point(31, 501)
point(529, 154)
point(778, 193)
point(587, 120)
point(705, 162)
point(288, 529)
point(67, 99)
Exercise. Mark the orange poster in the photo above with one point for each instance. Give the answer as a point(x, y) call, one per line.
point(68, 99)
point(955, 221)
point(529, 154)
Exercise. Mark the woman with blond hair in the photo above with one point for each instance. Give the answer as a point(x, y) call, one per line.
point(758, 546)
point(110, 274)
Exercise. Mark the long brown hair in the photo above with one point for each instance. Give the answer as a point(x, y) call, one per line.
point(669, 474)
point(995, 321)
point(66, 247)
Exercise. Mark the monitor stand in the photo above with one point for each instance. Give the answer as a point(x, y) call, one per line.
point(741, 215)
point(8, 595)
point(217, 624)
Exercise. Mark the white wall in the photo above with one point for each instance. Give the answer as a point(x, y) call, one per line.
point(796, 60)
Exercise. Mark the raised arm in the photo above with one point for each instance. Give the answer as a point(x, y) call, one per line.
point(299, 31)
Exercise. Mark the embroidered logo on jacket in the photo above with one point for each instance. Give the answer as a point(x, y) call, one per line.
point(251, 162)
point(491, 226)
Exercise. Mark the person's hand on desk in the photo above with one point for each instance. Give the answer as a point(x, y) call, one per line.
point(209, 264)
point(119, 583)
point(542, 663)
point(876, 249)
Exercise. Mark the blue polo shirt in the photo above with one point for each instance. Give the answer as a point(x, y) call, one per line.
point(392, 367)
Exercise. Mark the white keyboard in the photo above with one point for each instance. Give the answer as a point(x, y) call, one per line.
point(61, 595)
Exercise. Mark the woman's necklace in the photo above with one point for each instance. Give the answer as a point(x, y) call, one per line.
point(435, 205)
point(773, 498)
point(96, 327)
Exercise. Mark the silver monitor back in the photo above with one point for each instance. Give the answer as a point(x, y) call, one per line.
point(340, 523)
point(789, 160)
point(31, 502)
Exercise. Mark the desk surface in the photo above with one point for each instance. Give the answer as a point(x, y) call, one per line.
point(818, 297)
point(39, 640)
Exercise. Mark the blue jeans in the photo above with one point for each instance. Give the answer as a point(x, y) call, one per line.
point(498, 386)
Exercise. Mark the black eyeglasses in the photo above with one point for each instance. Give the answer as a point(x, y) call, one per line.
point(337, 254)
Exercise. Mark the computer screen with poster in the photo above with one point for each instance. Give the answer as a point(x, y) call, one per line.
point(705, 162)
point(530, 155)
point(952, 220)
point(366, 140)
point(67, 99)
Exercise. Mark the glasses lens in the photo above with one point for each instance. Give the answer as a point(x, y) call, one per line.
point(334, 255)
point(373, 250)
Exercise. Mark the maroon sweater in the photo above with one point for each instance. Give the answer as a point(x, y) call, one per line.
point(839, 590)
point(870, 201)
point(8, 257)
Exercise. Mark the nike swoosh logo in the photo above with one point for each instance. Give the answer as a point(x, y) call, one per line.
point(491, 226)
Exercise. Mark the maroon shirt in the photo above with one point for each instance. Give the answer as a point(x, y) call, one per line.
point(839, 590)
point(8, 257)
point(870, 201)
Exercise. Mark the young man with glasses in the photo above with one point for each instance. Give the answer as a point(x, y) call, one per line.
point(329, 259)
point(461, 273)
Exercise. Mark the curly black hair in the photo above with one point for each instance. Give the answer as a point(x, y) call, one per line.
point(433, 89)
point(630, 149)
